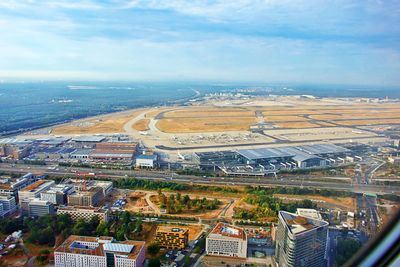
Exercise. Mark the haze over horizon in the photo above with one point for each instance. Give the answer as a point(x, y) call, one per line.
point(309, 41)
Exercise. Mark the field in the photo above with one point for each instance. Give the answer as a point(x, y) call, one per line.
point(346, 203)
point(112, 123)
point(141, 125)
point(214, 124)
point(251, 122)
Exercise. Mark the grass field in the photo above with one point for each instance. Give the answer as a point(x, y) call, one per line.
point(216, 124)
point(141, 125)
point(222, 112)
point(206, 119)
point(112, 123)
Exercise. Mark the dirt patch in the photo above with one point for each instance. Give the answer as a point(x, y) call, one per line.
point(347, 203)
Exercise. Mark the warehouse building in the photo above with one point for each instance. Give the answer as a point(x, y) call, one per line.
point(87, 141)
point(81, 154)
point(146, 161)
point(54, 153)
point(214, 158)
point(86, 251)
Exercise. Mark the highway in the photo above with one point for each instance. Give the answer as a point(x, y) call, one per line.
point(165, 175)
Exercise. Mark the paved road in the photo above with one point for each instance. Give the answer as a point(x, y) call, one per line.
point(161, 176)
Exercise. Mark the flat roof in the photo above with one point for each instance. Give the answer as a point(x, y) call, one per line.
point(91, 138)
point(112, 153)
point(142, 156)
point(172, 229)
point(265, 153)
point(36, 185)
point(299, 224)
point(82, 209)
point(311, 213)
point(322, 149)
point(76, 245)
point(229, 230)
point(81, 151)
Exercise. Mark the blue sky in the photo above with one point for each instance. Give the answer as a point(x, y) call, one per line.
point(304, 41)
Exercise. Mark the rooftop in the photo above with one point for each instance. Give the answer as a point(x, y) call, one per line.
point(322, 149)
point(37, 186)
point(311, 213)
point(299, 224)
point(174, 229)
point(153, 157)
point(81, 209)
point(264, 153)
point(97, 246)
point(112, 153)
point(229, 230)
point(91, 138)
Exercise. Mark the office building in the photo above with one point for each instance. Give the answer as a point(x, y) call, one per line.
point(11, 186)
point(300, 241)
point(57, 194)
point(89, 198)
point(8, 203)
point(227, 240)
point(85, 213)
point(172, 237)
point(85, 251)
point(31, 192)
point(39, 208)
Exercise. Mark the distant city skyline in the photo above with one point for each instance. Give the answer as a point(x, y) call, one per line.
point(298, 41)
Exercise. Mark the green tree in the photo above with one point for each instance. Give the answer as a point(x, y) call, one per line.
point(153, 248)
point(102, 229)
point(346, 248)
point(154, 262)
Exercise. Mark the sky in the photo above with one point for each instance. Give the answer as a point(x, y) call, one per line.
point(296, 41)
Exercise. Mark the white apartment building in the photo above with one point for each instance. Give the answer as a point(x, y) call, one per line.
point(227, 240)
point(84, 251)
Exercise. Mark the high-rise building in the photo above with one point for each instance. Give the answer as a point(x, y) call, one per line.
point(227, 240)
point(300, 241)
point(172, 237)
point(86, 251)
